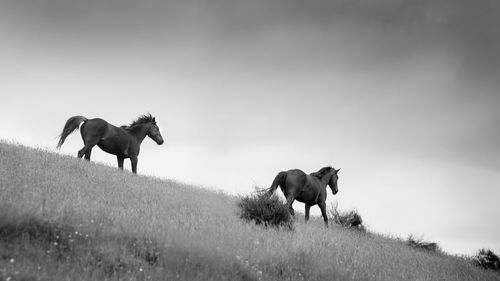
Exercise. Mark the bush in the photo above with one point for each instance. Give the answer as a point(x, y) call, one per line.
point(419, 243)
point(267, 210)
point(350, 219)
point(485, 258)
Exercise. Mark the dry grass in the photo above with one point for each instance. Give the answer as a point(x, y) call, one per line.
point(348, 219)
point(419, 243)
point(486, 259)
point(265, 209)
point(112, 225)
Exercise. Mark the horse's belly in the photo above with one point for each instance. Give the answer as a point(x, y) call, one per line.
point(307, 197)
point(113, 149)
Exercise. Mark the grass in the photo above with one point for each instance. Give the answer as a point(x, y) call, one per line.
point(62, 218)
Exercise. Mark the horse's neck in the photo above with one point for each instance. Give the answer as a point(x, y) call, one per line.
point(324, 180)
point(139, 132)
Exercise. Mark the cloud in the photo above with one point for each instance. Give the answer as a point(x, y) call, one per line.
point(416, 75)
point(374, 31)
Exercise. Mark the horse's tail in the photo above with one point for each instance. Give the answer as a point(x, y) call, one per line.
point(71, 125)
point(279, 180)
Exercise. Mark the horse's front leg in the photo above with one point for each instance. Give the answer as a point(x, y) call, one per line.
point(308, 208)
point(120, 162)
point(133, 160)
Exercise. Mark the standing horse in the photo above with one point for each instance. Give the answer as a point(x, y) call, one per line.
point(308, 189)
point(124, 141)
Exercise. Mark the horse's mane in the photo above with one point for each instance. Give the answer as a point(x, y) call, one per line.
point(322, 172)
point(146, 118)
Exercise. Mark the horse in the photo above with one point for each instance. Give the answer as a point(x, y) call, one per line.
point(308, 189)
point(123, 141)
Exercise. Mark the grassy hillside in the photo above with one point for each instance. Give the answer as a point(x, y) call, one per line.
point(66, 219)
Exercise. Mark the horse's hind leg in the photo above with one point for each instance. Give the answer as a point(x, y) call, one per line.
point(322, 206)
point(81, 152)
point(87, 154)
point(86, 150)
point(90, 139)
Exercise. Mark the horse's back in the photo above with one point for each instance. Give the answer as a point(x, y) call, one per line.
point(96, 122)
point(296, 177)
point(100, 128)
point(296, 173)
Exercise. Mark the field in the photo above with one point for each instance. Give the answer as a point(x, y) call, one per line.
point(62, 218)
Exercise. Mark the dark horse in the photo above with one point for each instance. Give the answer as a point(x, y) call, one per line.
point(124, 141)
point(308, 189)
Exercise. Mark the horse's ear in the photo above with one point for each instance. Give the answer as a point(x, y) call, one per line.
point(336, 171)
point(154, 121)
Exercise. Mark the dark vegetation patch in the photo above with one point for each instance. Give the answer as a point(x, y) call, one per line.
point(30, 248)
point(57, 241)
point(265, 210)
point(419, 243)
point(145, 249)
point(486, 259)
point(65, 244)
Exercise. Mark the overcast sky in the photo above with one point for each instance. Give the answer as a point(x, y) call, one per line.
point(402, 95)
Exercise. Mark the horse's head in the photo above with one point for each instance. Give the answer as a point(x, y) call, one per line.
point(154, 132)
point(332, 182)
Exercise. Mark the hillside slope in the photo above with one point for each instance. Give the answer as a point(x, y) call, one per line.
point(62, 218)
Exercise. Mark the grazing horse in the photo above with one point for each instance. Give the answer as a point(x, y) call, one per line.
point(308, 189)
point(123, 141)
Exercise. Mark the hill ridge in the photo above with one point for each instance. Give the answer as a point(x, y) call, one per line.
point(82, 221)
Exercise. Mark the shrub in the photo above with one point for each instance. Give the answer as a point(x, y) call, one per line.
point(264, 209)
point(485, 258)
point(419, 243)
point(349, 219)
